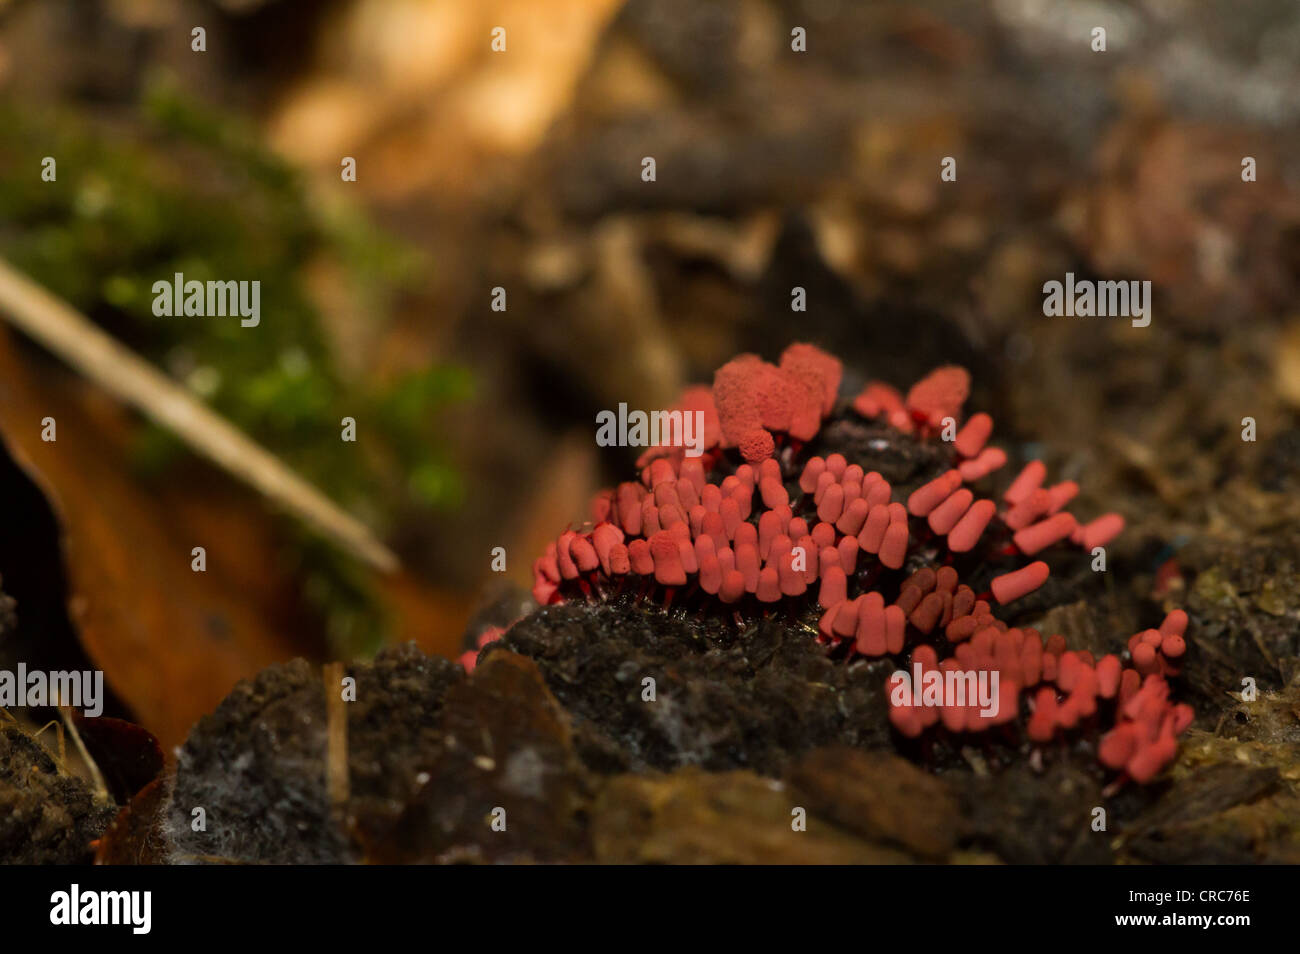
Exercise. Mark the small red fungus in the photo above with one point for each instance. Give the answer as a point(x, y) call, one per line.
point(756, 526)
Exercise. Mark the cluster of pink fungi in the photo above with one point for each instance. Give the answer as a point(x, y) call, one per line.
point(725, 523)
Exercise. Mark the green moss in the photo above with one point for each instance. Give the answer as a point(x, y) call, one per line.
point(183, 188)
point(1214, 591)
point(1273, 599)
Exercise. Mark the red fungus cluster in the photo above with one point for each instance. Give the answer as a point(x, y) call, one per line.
point(757, 529)
point(755, 400)
point(490, 634)
point(1066, 689)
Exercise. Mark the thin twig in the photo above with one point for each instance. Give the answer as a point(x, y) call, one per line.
point(78, 341)
point(100, 786)
point(336, 756)
point(58, 731)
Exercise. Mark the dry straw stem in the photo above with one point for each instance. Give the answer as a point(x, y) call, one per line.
point(96, 776)
point(337, 751)
point(75, 339)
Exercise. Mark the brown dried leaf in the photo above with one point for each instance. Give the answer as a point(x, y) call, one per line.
point(171, 641)
point(135, 837)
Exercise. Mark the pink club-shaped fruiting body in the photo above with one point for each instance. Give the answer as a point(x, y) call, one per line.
point(755, 524)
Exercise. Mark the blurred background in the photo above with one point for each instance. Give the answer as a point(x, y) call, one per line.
point(521, 169)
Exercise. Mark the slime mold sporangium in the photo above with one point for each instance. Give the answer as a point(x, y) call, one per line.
point(758, 524)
